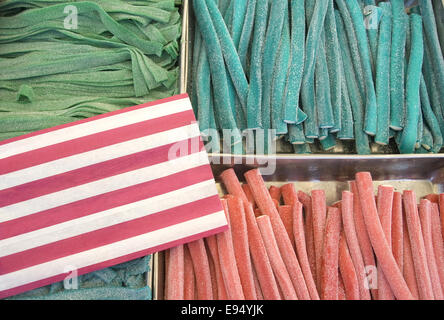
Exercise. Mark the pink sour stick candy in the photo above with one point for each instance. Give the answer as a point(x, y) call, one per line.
point(275, 193)
point(432, 197)
point(289, 194)
point(441, 212)
point(257, 286)
point(341, 288)
point(438, 244)
point(353, 243)
point(301, 249)
point(241, 248)
point(232, 184)
point(213, 275)
point(362, 234)
point(377, 237)
point(397, 230)
point(418, 246)
point(305, 199)
point(202, 269)
point(330, 256)
point(175, 274)
point(277, 263)
point(261, 262)
point(286, 214)
point(265, 203)
point(385, 205)
point(409, 268)
point(228, 264)
point(248, 194)
point(189, 278)
point(425, 215)
point(347, 271)
point(319, 211)
point(212, 246)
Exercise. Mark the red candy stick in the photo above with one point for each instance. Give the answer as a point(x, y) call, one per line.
point(175, 274)
point(248, 194)
point(257, 212)
point(432, 197)
point(212, 246)
point(353, 244)
point(347, 271)
point(275, 193)
point(240, 243)
point(260, 258)
point(277, 263)
point(201, 269)
point(257, 286)
point(189, 278)
point(213, 275)
point(409, 268)
point(341, 288)
point(418, 246)
point(265, 203)
point(330, 256)
point(376, 234)
point(305, 199)
point(286, 214)
point(227, 260)
point(232, 184)
point(363, 238)
point(397, 230)
point(289, 194)
point(385, 205)
point(441, 213)
point(425, 215)
point(319, 211)
point(301, 249)
point(438, 245)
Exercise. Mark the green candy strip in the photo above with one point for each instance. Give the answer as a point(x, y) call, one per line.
point(296, 134)
point(247, 31)
point(430, 118)
point(203, 86)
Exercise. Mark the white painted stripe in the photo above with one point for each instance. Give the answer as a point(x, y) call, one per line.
point(112, 251)
point(102, 186)
point(108, 218)
point(95, 126)
point(95, 156)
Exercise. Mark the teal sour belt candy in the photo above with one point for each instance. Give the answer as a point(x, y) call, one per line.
point(409, 134)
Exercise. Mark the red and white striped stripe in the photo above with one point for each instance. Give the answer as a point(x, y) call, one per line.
point(101, 191)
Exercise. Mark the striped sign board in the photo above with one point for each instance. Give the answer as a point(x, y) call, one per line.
point(101, 191)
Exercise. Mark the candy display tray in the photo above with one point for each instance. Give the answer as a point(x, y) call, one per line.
point(423, 174)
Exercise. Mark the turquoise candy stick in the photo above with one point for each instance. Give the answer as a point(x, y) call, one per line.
point(279, 80)
point(323, 98)
point(361, 139)
point(229, 52)
point(329, 142)
point(409, 134)
point(217, 68)
point(292, 91)
point(239, 15)
point(272, 38)
point(371, 108)
point(431, 34)
point(430, 118)
point(347, 125)
point(397, 89)
point(332, 52)
point(383, 76)
point(302, 148)
point(224, 5)
point(296, 134)
point(196, 54)
point(420, 130)
point(247, 31)
point(311, 48)
point(254, 117)
point(323, 134)
point(203, 86)
point(427, 138)
point(372, 18)
point(438, 9)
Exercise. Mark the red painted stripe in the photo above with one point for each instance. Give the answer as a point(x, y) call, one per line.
point(108, 235)
point(95, 141)
point(104, 201)
point(92, 173)
point(109, 263)
point(105, 115)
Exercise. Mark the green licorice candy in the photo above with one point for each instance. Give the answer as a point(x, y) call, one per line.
point(323, 134)
point(195, 58)
point(203, 86)
point(431, 34)
point(430, 118)
point(383, 76)
point(312, 44)
point(372, 17)
point(371, 107)
point(427, 139)
point(347, 124)
point(323, 97)
point(239, 15)
point(279, 80)
point(296, 134)
point(254, 117)
point(272, 38)
point(361, 139)
point(291, 103)
point(409, 134)
point(334, 66)
point(217, 67)
point(397, 89)
point(329, 142)
point(247, 31)
point(420, 130)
